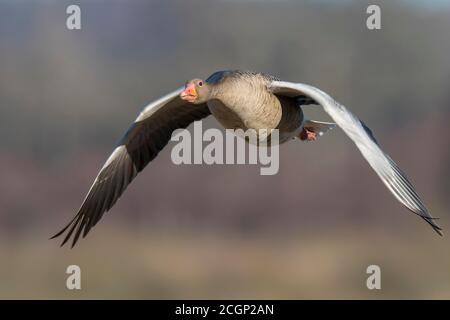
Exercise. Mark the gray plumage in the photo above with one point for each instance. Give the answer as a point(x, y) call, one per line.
point(237, 99)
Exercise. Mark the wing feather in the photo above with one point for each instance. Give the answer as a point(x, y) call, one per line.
point(142, 142)
point(388, 171)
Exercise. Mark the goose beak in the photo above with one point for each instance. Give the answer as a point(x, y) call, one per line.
point(189, 93)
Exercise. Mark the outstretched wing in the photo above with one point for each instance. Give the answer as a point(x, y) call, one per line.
point(148, 135)
point(391, 175)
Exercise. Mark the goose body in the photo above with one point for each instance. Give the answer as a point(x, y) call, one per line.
point(254, 107)
point(238, 100)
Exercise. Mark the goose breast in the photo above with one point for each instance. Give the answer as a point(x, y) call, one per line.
point(243, 101)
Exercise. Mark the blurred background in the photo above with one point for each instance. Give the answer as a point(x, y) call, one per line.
point(223, 231)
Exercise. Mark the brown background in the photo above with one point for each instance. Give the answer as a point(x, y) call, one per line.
point(217, 231)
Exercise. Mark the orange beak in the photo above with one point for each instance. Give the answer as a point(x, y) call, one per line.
point(189, 93)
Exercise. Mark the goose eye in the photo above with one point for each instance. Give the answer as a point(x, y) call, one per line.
point(200, 83)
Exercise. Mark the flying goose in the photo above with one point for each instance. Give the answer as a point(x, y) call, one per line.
point(237, 99)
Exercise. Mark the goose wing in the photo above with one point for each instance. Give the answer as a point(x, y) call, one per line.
point(388, 171)
point(148, 135)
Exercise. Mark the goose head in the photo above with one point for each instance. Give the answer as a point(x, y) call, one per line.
point(196, 91)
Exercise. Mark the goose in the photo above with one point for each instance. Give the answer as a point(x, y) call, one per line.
point(237, 99)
